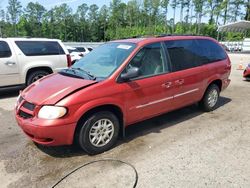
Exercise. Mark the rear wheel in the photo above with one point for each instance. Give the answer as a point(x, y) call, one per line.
point(99, 132)
point(210, 99)
point(36, 75)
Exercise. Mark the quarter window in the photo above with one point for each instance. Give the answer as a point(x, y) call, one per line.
point(185, 54)
point(149, 60)
point(39, 48)
point(4, 50)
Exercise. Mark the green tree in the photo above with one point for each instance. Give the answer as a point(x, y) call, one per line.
point(93, 20)
point(34, 13)
point(14, 10)
point(81, 18)
point(247, 16)
point(174, 5)
point(164, 5)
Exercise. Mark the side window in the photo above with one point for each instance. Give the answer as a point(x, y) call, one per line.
point(39, 48)
point(149, 60)
point(212, 51)
point(183, 54)
point(4, 50)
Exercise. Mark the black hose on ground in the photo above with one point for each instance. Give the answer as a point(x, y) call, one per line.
point(101, 160)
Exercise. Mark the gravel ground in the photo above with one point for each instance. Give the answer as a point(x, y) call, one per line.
point(184, 148)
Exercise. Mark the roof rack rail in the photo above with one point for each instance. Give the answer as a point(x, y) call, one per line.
point(169, 35)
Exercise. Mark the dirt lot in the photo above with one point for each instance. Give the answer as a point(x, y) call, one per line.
point(185, 148)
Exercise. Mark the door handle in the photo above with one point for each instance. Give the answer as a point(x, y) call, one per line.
point(10, 63)
point(167, 85)
point(179, 82)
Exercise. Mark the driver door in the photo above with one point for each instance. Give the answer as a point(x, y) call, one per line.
point(151, 93)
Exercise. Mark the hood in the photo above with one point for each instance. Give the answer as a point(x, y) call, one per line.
point(51, 89)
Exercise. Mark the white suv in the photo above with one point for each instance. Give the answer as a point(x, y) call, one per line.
point(25, 60)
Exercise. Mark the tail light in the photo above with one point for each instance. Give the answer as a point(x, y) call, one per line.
point(69, 62)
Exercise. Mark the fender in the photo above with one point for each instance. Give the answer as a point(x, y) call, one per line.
point(97, 103)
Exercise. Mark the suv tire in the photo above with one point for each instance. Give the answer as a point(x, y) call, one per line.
point(210, 99)
point(99, 132)
point(36, 75)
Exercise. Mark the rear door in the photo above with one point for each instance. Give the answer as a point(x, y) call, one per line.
point(9, 70)
point(152, 92)
point(190, 74)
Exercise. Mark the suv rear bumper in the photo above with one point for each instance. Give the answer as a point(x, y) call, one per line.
point(47, 135)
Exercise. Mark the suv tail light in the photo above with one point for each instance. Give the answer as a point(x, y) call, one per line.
point(69, 60)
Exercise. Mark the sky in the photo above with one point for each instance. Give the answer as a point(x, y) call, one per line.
point(51, 3)
point(48, 4)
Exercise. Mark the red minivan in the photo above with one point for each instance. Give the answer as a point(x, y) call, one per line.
point(121, 83)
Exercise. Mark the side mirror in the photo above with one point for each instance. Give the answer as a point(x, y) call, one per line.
point(133, 72)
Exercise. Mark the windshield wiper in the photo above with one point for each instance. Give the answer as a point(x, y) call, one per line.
point(91, 76)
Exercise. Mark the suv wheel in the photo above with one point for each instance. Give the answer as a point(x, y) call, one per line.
point(210, 99)
point(99, 132)
point(36, 75)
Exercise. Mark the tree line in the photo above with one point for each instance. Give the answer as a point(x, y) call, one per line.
point(122, 20)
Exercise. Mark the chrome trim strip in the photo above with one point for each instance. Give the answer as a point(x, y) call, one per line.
point(187, 92)
point(154, 102)
point(165, 99)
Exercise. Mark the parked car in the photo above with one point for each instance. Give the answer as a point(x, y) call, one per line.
point(121, 83)
point(225, 47)
point(246, 45)
point(75, 54)
point(246, 73)
point(25, 60)
point(84, 50)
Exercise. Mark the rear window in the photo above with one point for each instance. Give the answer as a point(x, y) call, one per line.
point(185, 54)
point(40, 48)
point(4, 50)
point(81, 49)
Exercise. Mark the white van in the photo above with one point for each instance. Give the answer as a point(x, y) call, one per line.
point(246, 45)
point(25, 60)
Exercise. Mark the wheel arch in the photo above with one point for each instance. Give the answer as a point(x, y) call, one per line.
point(217, 82)
point(45, 68)
point(107, 107)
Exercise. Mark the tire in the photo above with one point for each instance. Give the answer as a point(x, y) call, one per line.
point(36, 75)
point(210, 99)
point(92, 138)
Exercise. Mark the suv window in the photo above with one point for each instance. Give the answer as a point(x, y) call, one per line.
point(4, 50)
point(185, 54)
point(39, 48)
point(149, 60)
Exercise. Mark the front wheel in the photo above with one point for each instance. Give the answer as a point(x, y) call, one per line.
point(210, 99)
point(99, 132)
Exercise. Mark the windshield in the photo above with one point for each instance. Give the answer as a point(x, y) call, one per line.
point(105, 59)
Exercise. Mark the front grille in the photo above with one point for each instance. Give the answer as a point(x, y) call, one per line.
point(29, 106)
point(25, 115)
point(26, 110)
